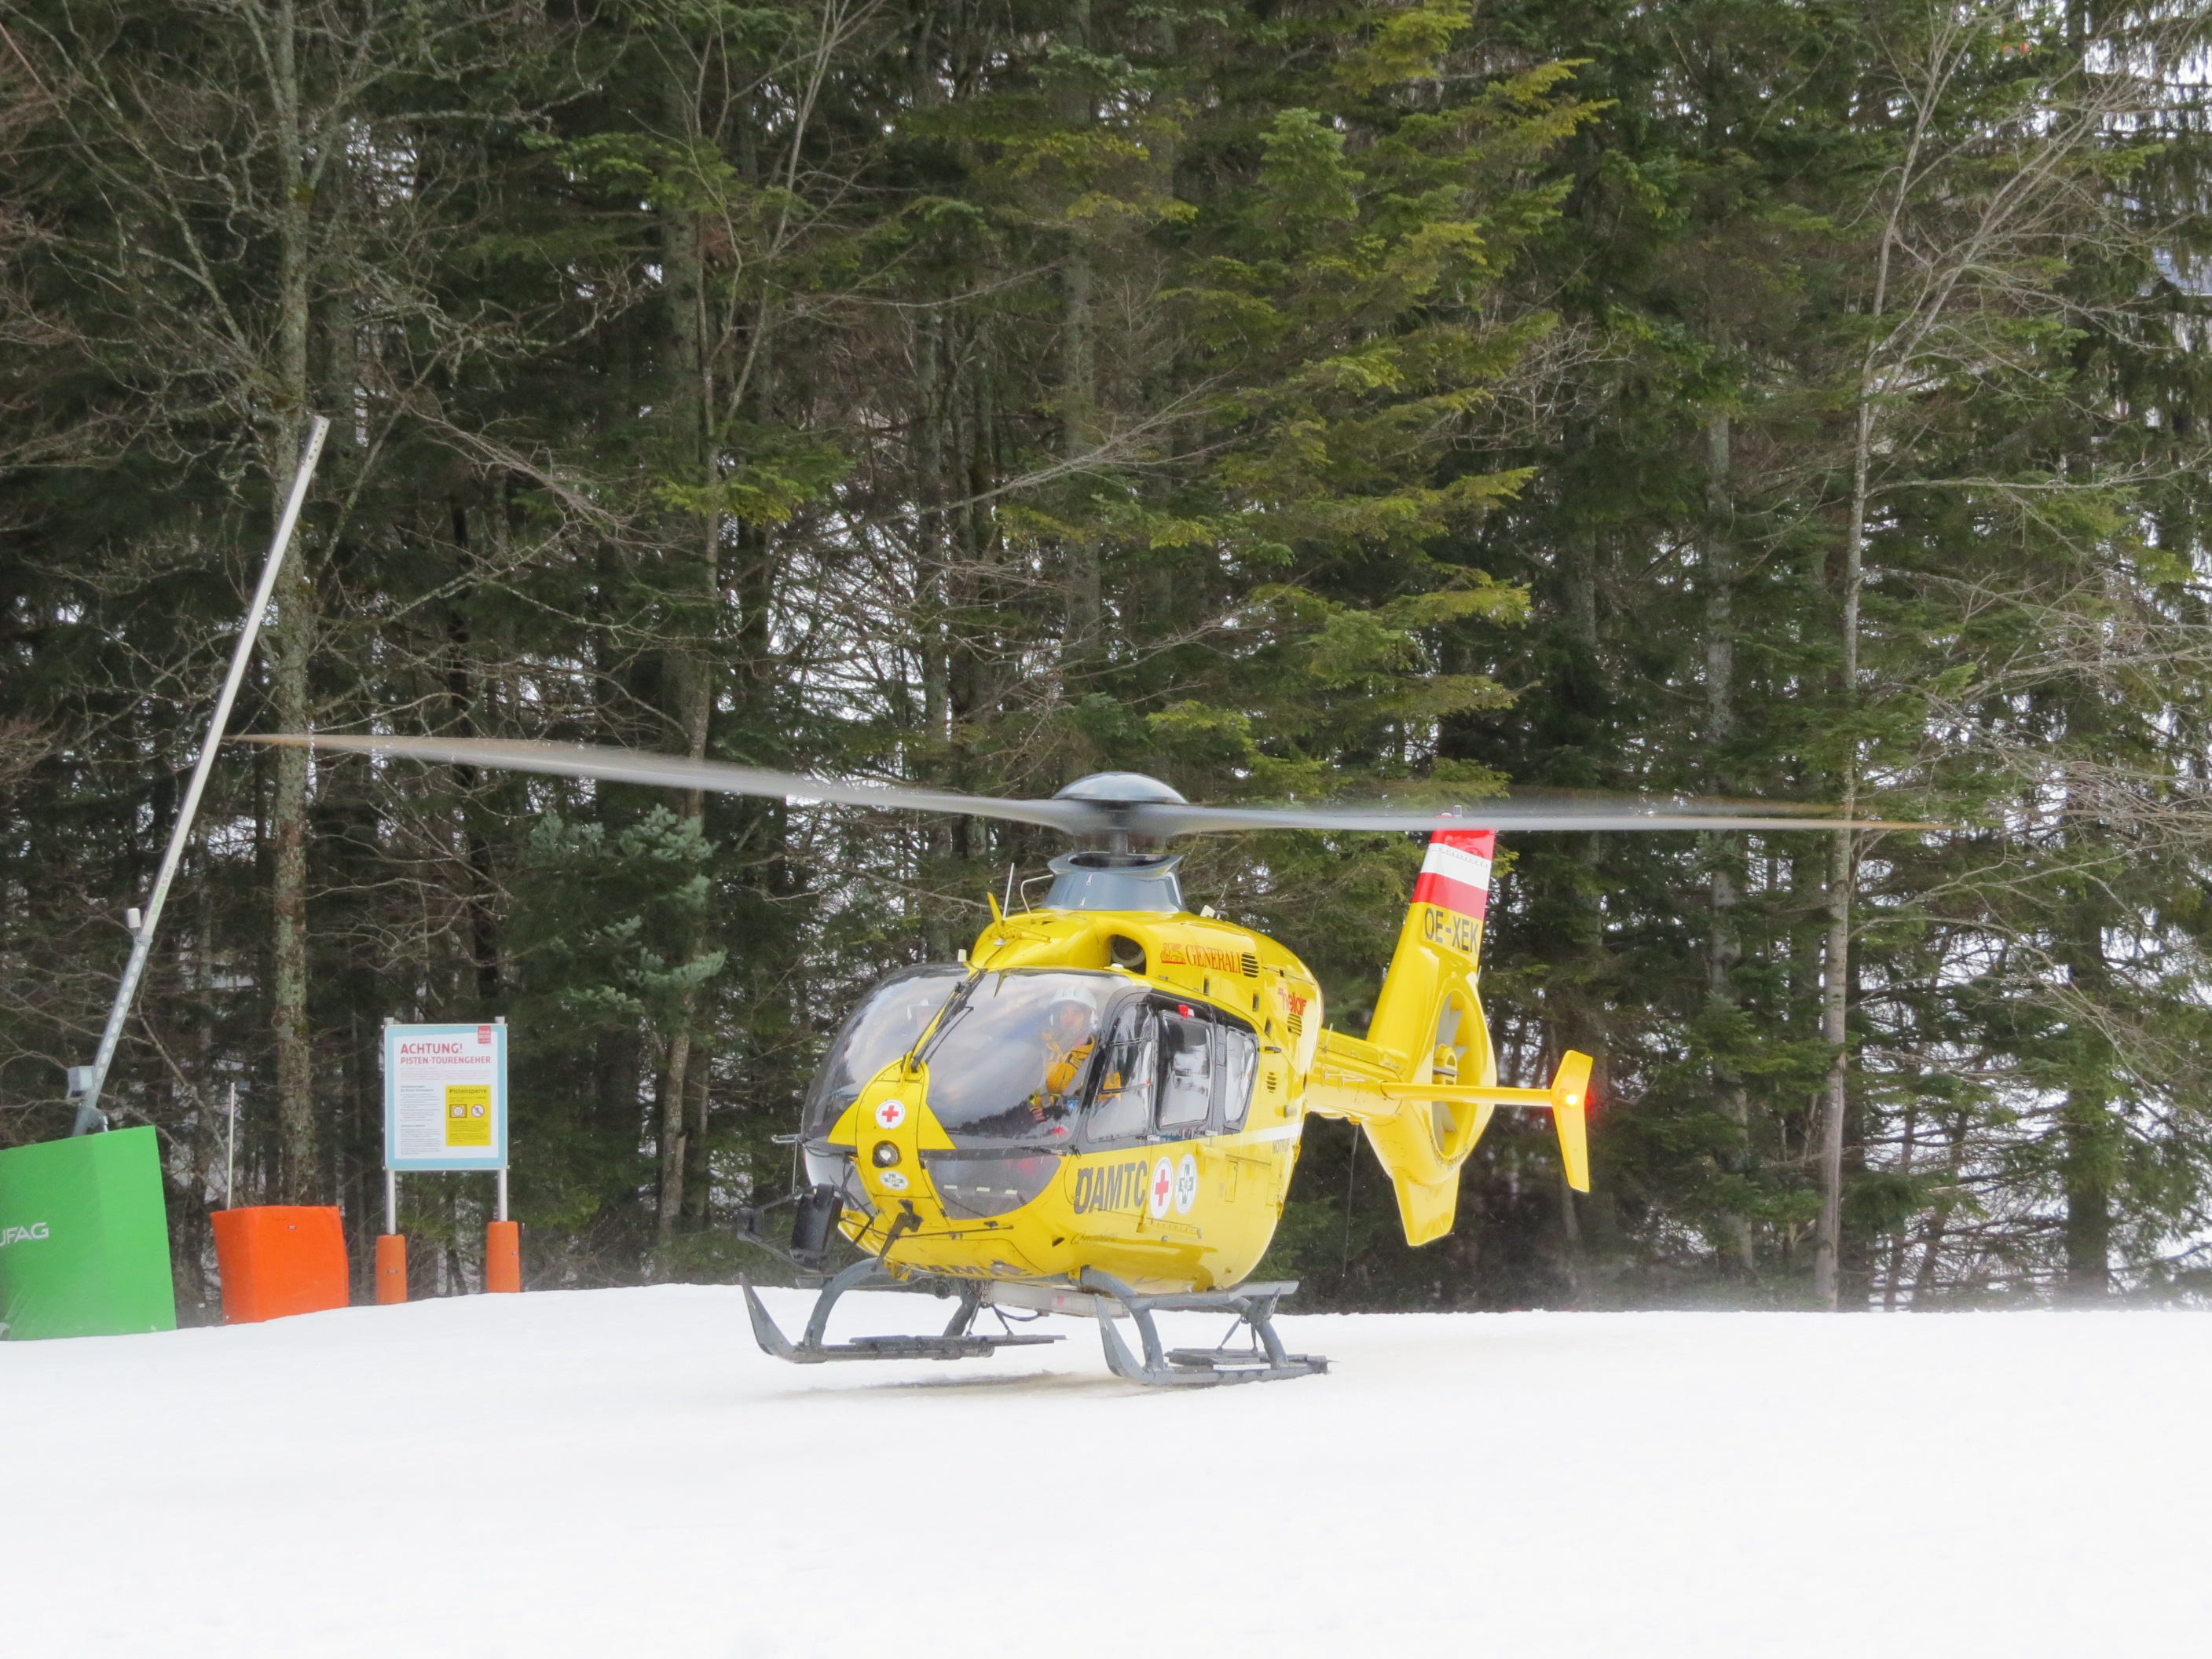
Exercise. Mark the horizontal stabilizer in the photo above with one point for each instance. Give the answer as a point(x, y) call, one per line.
point(1567, 1100)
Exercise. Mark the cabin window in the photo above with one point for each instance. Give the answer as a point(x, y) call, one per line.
point(1240, 1064)
point(1122, 1109)
point(1186, 1070)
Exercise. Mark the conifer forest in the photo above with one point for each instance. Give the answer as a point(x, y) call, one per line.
point(1786, 400)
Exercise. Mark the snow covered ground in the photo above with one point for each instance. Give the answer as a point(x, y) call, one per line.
point(620, 1472)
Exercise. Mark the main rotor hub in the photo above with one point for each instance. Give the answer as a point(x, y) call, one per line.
point(1116, 798)
point(1122, 788)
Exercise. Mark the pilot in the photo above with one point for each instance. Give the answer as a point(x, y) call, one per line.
point(1069, 1040)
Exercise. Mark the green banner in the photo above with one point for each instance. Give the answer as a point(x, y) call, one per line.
point(84, 1238)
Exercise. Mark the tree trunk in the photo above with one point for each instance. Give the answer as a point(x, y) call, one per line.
point(1723, 949)
point(936, 472)
point(1079, 390)
point(1835, 1098)
point(1893, 1274)
point(291, 649)
point(1079, 393)
point(690, 660)
point(1939, 1219)
point(674, 1133)
point(698, 1173)
point(2089, 1134)
point(1578, 1025)
point(1842, 869)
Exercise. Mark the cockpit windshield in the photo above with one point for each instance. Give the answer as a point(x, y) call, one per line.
point(889, 1020)
point(1011, 1061)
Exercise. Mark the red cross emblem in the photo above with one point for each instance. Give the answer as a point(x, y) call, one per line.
point(891, 1114)
point(1163, 1187)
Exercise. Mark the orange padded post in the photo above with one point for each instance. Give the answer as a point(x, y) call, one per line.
point(503, 1256)
point(280, 1259)
point(391, 1268)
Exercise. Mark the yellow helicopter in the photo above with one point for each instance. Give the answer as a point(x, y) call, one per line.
point(1097, 1110)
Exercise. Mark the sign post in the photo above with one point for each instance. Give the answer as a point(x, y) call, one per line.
point(445, 1107)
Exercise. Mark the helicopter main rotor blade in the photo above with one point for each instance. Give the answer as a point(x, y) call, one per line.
point(569, 760)
point(1163, 819)
point(1156, 820)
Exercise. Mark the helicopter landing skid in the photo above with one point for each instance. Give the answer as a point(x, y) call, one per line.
point(958, 1341)
point(1254, 1305)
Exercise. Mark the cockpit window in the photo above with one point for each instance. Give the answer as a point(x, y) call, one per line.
point(1013, 1058)
point(889, 1020)
point(1019, 1054)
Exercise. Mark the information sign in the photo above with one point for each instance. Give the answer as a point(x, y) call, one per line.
point(445, 1097)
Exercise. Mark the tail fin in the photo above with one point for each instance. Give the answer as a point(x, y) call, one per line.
point(1428, 1008)
point(1424, 1083)
point(1429, 1011)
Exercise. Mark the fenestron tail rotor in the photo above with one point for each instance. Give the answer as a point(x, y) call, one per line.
point(1111, 804)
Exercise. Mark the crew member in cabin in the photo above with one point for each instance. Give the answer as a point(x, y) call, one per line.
point(1069, 1040)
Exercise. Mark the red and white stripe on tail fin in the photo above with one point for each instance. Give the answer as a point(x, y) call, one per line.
point(1452, 894)
point(1455, 874)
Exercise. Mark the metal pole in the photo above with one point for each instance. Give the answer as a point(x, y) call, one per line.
point(502, 1107)
point(230, 1154)
point(390, 1174)
point(89, 1114)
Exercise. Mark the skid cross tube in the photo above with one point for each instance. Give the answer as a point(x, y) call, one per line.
point(1254, 1305)
point(956, 1342)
